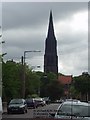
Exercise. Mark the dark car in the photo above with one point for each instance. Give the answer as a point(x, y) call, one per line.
point(17, 106)
point(31, 103)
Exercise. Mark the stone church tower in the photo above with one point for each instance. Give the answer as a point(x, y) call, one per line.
point(50, 57)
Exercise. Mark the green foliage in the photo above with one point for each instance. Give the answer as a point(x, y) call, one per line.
point(54, 90)
point(37, 84)
point(74, 92)
point(11, 81)
point(50, 87)
point(34, 96)
point(32, 83)
point(82, 85)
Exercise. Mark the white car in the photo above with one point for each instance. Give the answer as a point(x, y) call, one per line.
point(40, 102)
point(73, 110)
point(0, 108)
point(74, 100)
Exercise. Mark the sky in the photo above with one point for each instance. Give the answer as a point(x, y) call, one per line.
point(25, 26)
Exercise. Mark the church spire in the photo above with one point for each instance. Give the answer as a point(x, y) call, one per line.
point(50, 28)
point(50, 57)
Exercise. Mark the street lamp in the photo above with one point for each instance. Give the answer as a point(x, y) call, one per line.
point(30, 51)
point(23, 92)
point(3, 42)
point(4, 54)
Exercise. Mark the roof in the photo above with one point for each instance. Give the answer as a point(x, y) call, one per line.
point(76, 103)
point(65, 79)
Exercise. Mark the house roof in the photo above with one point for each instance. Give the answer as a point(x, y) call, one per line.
point(65, 79)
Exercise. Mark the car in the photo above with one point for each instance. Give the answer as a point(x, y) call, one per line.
point(47, 100)
point(73, 110)
point(39, 102)
point(1, 111)
point(17, 106)
point(74, 100)
point(31, 103)
point(59, 101)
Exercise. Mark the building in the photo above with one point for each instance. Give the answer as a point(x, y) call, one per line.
point(50, 57)
point(66, 81)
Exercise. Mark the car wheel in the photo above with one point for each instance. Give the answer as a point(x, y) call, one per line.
point(23, 111)
point(34, 107)
point(26, 110)
point(8, 112)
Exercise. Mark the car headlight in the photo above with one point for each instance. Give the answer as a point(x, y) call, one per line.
point(9, 106)
point(21, 106)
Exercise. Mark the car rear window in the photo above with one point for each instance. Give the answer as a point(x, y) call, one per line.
point(79, 110)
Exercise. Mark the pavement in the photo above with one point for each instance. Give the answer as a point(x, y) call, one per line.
point(4, 110)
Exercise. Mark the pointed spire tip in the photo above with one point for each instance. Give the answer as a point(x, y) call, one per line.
point(51, 11)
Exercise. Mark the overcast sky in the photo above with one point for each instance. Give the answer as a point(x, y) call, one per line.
point(25, 26)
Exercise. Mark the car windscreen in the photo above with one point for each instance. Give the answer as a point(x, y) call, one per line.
point(74, 110)
point(16, 101)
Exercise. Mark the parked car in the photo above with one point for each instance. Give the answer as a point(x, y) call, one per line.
point(31, 103)
point(59, 101)
point(74, 100)
point(73, 110)
point(47, 100)
point(0, 108)
point(39, 102)
point(17, 105)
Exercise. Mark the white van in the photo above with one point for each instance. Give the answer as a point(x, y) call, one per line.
point(0, 108)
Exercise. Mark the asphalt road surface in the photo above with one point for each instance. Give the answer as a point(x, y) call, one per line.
point(32, 113)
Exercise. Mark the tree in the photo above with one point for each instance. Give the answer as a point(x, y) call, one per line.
point(82, 85)
point(54, 90)
point(11, 80)
point(36, 83)
point(32, 83)
point(50, 87)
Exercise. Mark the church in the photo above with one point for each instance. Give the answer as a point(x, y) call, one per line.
point(50, 57)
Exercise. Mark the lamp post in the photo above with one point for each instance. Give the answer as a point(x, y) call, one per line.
point(24, 58)
point(1, 57)
point(30, 51)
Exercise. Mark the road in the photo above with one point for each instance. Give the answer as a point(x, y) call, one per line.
point(32, 113)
